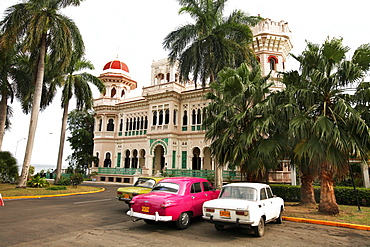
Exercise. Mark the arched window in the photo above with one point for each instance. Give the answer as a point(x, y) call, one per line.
point(121, 125)
point(155, 118)
point(146, 123)
point(174, 116)
point(113, 92)
point(185, 118)
point(142, 123)
point(100, 124)
point(127, 124)
point(160, 119)
point(134, 124)
point(272, 61)
point(110, 125)
point(193, 118)
point(167, 117)
point(130, 128)
point(199, 117)
point(122, 93)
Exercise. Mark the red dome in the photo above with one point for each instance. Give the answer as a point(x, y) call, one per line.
point(116, 65)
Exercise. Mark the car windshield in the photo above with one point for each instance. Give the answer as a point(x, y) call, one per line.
point(145, 182)
point(235, 192)
point(167, 187)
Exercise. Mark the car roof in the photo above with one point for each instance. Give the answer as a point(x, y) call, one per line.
point(252, 185)
point(155, 178)
point(183, 179)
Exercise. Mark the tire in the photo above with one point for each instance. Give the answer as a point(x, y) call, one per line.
point(149, 222)
point(219, 227)
point(279, 219)
point(260, 229)
point(183, 221)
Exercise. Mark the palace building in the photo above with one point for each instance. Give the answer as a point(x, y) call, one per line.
point(161, 130)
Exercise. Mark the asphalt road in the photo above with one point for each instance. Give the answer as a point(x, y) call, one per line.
point(100, 220)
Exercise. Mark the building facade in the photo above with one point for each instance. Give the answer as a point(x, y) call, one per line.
point(161, 130)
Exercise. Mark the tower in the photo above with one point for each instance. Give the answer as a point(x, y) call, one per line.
point(272, 44)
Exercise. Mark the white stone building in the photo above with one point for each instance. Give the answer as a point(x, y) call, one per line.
point(161, 129)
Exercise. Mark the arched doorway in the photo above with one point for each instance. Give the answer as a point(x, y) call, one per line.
point(196, 161)
point(158, 159)
point(207, 161)
point(107, 160)
point(141, 158)
point(134, 159)
point(127, 159)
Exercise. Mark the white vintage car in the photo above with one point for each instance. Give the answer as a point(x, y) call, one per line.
point(244, 205)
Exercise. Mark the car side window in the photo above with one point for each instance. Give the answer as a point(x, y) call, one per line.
point(269, 192)
point(207, 186)
point(195, 188)
point(263, 195)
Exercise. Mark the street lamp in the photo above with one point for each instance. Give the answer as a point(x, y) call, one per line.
point(16, 147)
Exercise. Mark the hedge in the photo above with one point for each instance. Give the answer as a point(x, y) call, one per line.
point(344, 195)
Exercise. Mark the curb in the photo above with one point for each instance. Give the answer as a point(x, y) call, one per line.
point(43, 196)
point(328, 223)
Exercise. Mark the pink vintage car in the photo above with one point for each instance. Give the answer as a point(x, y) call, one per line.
point(173, 199)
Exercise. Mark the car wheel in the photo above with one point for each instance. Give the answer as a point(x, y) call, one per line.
point(259, 230)
point(279, 219)
point(183, 221)
point(219, 227)
point(149, 222)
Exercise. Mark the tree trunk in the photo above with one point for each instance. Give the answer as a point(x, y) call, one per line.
point(218, 177)
point(307, 191)
point(61, 143)
point(3, 112)
point(328, 203)
point(34, 114)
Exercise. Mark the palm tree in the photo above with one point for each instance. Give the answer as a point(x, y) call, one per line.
point(212, 43)
point(77, 85)
point(41, 29)
point(6, 89)
point(328, 129)
point(233, 122)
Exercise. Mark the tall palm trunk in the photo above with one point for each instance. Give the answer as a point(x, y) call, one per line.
point(307, 191)
point(61, 142)
point(328, 203)
point(3, 112)
point(34, 114)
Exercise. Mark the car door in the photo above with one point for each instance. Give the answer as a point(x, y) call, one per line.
point(197, 196)
point(266, 204)
point(209, 192)
point(275, 204)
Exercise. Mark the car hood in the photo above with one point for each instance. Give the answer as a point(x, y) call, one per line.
point(135, 189)
point(228, 203)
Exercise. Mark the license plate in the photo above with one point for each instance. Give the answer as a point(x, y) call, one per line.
point(145, 209)
point(126, 196)
point(225, 214)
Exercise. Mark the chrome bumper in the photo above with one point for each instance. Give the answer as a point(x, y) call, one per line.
point(155, 217)
point(236, 221)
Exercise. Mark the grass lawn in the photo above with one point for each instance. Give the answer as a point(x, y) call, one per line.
point(348, 214)
point(9, 190)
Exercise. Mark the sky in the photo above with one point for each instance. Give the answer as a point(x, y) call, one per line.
point(134, 31)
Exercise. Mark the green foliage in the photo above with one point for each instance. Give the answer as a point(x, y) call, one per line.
point(344, 195)
point(38, 182)
point(57, 188)
point(64, 181)
point(8, 168)
point(81, 127)
point(76, 179)
point(212, 43)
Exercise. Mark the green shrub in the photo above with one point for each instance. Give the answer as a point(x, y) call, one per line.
point(38, 182)
point(76, 179)
point(57, 188)
point(344, 195)
point(64, 181)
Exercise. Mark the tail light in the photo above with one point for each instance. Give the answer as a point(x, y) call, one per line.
point(210, 210)
point(244, 213)
point(119, 193)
